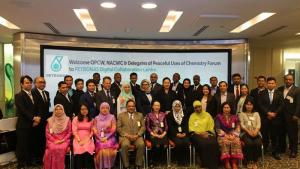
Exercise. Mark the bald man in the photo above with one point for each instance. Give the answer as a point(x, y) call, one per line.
point(42, 102)
point(155, 87)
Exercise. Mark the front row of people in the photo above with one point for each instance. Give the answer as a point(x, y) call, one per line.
point(213, 139)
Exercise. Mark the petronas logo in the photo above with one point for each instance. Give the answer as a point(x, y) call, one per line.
point(56, 64)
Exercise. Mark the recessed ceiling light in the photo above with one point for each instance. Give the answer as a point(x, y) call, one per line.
point(170, 21)
point(298, 33)
point(149, 5)
point(108, 5)
point(253, 21)
point(8, 24)
point(85, 18)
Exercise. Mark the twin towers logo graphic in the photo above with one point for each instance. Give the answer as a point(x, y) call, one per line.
point(56, 63)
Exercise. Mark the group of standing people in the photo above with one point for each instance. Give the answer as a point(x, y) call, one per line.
point(95, 124)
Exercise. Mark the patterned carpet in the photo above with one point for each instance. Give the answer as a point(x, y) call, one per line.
point(269, 163)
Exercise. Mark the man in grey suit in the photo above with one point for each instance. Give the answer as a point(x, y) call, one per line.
point(131, 127)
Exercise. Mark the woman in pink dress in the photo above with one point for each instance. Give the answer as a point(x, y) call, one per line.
point(83, 143)
point(106, 143)
point(58, 133)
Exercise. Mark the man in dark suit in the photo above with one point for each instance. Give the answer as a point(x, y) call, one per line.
point(155, 87)
point(261, 85)
point(270, 104)
point(134, 86)
point(89, 97)
point(291, 113)
point(27, 118)
point(197, 87)
point(69, 81)
point(116, 86)
point(106, 95)
point(96, 78)
point(214, 88)
point(235, 88)
point(42, 102)
point(176, 86)
point(79, 84)
point(64, 99)
point(221, 97)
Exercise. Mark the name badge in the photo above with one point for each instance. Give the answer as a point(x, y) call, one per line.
point(162, 124)
point(249, 123)
point(179, 129)
point(50, 130)
point(102, 134)
point(113, 100)
point(290, 99)
point(251, 118)
point(196, 124)
point(233, 125)
point(139, 124)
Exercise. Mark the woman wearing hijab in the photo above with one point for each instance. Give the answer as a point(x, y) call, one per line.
point(228, 129)
point(83, 143)
point(106, 142)
point(124, 96)
point(178, 131)
point(145, 98)
point(187, 96)
point(201, 127)
point(58, 133)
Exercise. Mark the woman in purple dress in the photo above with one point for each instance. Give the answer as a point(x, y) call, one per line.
point(106, 143)
point(228, 129)
point(157, 128)
point(58, 133)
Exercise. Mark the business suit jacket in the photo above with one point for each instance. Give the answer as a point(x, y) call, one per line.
point(255, 94)
point(216, 103)
point(291, 102)
point(143, 103)
point(173, 125)
point(76, 100)
point(276, 106)
point(217, 90)
point(126, 126)
point(157, 87)
point(135, 89)
point(199, 89)
point(91, 102)
point(116, 89)
point(42, 106)
point(178, 89)
point(165, 100)
point(231, 88)
point(68, 105)
point(101, 97)
point(25, 110)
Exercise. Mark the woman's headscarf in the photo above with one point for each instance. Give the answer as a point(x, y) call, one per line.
point(58, 124)
point(149, 84)
point(125, 95)
point(178, 116)
point(102, 116)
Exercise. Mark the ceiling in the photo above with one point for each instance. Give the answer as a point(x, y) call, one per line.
point(129, 21)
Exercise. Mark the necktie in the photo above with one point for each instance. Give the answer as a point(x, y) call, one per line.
point(195, 88)
point(237, 92)
point(44, 96)
point(271, 96)
point(108, 94)
point(31, 98)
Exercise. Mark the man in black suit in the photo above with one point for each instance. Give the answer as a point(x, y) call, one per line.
point(69, 81)
point(261, 85)
point(235, 88)
point(116, 86)
point(96, 78)
point(197, 87)
point(42, 102)
point(106, 95)
point(89, 97)
point(79, 84)
point(134, 86)
point(64, 99)
point(214, 88)
point(27, 118)
point(176, 86)
point(270, 104)
point(155, 87)
point(291, 113)
point(221, 97)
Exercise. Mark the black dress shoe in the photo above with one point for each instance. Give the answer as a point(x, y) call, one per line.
point(276, 156)
point(293, 155)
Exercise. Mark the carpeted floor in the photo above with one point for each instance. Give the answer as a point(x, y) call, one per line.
point(269, 163)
